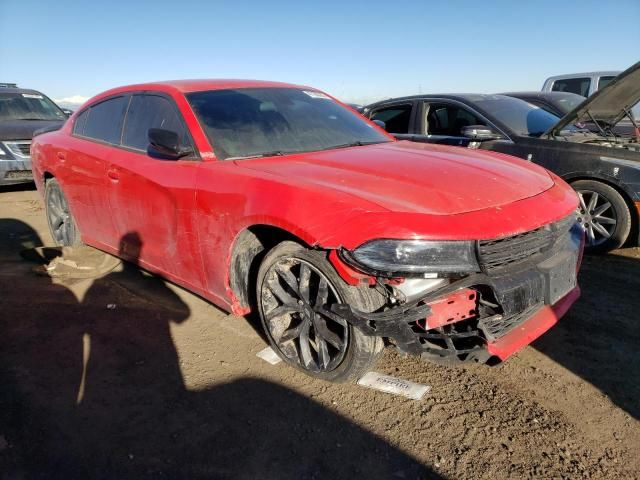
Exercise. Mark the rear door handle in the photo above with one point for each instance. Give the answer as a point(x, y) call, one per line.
point(61, 156)
point(113, 174)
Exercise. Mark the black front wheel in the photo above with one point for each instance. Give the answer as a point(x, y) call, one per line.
point(62, 225)
point(295, 290)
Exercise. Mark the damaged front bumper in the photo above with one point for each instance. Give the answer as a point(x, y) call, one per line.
point(488, 315)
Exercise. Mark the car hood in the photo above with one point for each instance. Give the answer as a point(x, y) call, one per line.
point(413, 177)
point(23, 129)
point(607, 105)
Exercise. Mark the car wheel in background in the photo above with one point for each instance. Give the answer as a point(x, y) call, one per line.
point(295, 289)
point(604, 215)
point(62, 225)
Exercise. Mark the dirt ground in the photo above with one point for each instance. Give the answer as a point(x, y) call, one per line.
point(125, 376)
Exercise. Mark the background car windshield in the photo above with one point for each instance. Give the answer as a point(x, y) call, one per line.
point(28, 106)
point(569, 102)
point(272, 121)
point(521, 117)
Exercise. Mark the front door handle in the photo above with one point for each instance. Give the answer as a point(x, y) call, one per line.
point(113, 174)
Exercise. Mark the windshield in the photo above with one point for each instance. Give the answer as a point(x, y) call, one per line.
point(568, 102)
point(251, 122)
point(28, 106)
point(521, 117)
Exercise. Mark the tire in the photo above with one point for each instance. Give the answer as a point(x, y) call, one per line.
point(62, 225)
point(604, 215)
point(298, 314)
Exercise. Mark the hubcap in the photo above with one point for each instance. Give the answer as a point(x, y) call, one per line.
point(597, 216)
point(59, 217)
point(296, 299)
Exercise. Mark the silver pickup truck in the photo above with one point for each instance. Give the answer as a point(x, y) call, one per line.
point(585, 84)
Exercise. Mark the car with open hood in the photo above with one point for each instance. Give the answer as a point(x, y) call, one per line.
point(22, 112)
point(602, 166)
point(275, 198)
point(562, 103)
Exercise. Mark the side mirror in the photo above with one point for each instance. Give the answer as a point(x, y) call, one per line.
point(380, 123)
point(165, 144)
point(479, 133)
point(67, 112)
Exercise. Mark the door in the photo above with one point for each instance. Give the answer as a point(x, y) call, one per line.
point(152, 200)
point(440, 121)
point(95, 131)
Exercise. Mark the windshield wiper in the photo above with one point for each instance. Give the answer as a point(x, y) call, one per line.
point(279, 153)
point(357, 143)
point(275, 153)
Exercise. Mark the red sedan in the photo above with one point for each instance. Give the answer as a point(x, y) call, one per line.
point(275, 197)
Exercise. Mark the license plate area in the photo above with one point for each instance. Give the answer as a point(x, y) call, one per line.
point(520, 291)
point(561, 276)
point(547, 283)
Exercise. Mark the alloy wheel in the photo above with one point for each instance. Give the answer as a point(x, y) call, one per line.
point(60, 220)
point(296, 299)
point(597, 216)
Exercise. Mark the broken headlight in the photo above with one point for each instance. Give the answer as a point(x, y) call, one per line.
point(428, 258)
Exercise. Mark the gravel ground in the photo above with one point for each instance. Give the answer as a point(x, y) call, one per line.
point(126, 376)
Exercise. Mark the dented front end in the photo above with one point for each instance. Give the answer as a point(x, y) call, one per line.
point(521, 286)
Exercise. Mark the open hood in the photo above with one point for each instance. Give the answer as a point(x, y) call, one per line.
point(607, 105)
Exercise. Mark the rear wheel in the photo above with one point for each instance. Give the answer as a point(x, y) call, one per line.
point(62, 225)
point(295, 290)
point(604, 215)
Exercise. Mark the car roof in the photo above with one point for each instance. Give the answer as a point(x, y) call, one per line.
point(470, 97)
point(538, 94)
point(19, 90)
point(188, 86)
point(585, 74)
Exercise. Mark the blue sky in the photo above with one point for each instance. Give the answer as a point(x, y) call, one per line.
point(356, 50)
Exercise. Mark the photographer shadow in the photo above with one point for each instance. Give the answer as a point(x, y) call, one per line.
point(94, 389)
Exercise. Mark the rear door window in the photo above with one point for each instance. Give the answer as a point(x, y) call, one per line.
point(573, 85)
point(151, 111)
point(604, 81)
point(105, 120)
point(396, 118)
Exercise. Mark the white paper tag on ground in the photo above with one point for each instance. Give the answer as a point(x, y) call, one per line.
point(396, 386)
point(268, 355)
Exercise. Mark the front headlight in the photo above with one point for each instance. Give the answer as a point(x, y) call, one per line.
point(417, 257)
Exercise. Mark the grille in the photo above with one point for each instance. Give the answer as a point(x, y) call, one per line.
point(497, 326)
point(20, 149)
point(24, 148)
point(504, 252)
point(18, 175)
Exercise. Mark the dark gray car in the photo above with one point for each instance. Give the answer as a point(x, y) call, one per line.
point(603, 168)
point(22, 112)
